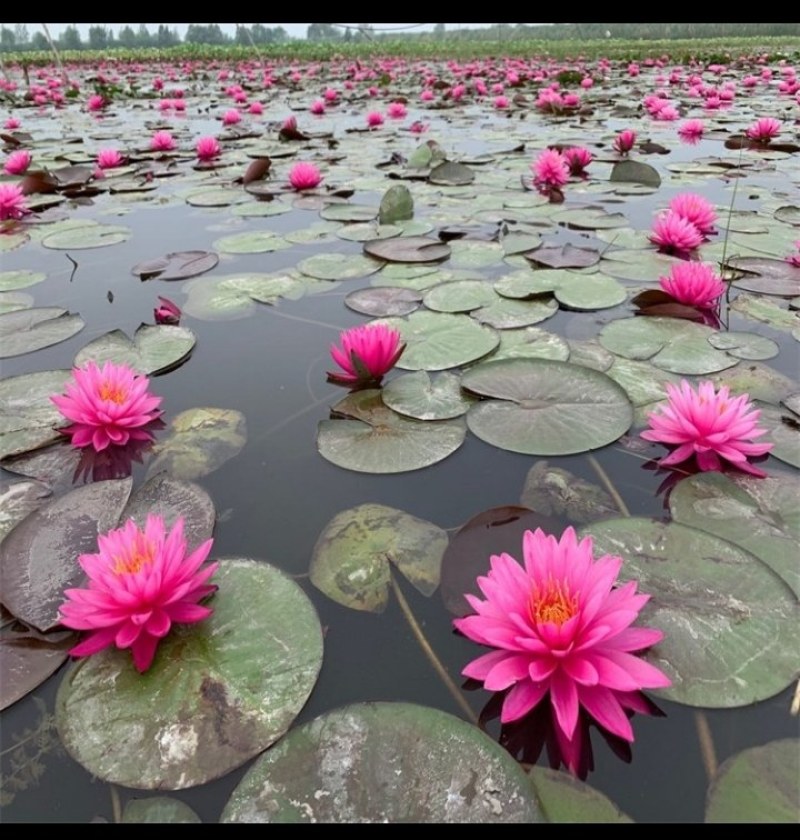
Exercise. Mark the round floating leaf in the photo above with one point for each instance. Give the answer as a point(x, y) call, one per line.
point(216, 197)
point(88, 235)
point(590, 291)
point(374, 439)
point(760, 382)
point(671, 344)
point(759, 514)
point(518, 242)
point(758, 785)
point(636, 172)
point(339, 266)
point(505, 314)
point(766, 311)
point(380, 301)
point(417, 395)
point(27, 659)
point(640, 265)
point(252, 242)
point(407, 249)
point(315, 233)
point(28, 419)
point(350, 561)
point(261, 208)
point(459, 296)
point(396, 205)
point(158, 809)
point(10, 241)
point(21, 279)
point(451, 173)
point(474, 254)
point(590, 354)
point(218, 693)
point(557, 492)
point(730, 624)
point(544, 407)
point(17, 500)
point(39, 558)
point(789, 214)
point(154, 349)
point(770, 277)
point(349, 213)
point(200, 440)
point(565, 799)
point(385, 762)
point(564, 256)
point(27, 330)
point(14, 301)
point(528, 284)
point(366, 231)
point(179, 265)
point(437, 341)
point(531, 343)
point(744, 345)
point(783, 431)
point(643, 383)
point(590, 218)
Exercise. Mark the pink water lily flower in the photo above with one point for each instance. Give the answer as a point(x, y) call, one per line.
point(374, 119)
point(231, 117)
point(695, 209)
point(304, 176)
point(12, 202)
point(690, 131)
point(625, 141)
point(550, 170)
point(162, 141)
point(764, 129)
point(167, 312)
point(561, 632)
point(708, 426)
point(396, 110)
point(108, 406)
point(11, 123)
point(693, 283)
point(577, 158)
point(208, 148)
point(501, 102)
point(141, 582)
point(17, 162)
point(674, 234)
point(109, 159)
point(317, 107)
point(365, 354)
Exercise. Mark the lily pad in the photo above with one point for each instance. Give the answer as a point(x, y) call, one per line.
point(22, 279)
point(531, 343)
point(731, 634)
point(557, 492)
point(349, 212)
point(590, 218)
point(476, 254)
point(636, 172)
point(407, 249)
point(564, 256)
point(758, 785)
point(14, 301)
point(372, 438)
point(643, 382)
point(28, 419)
point(17, 500)
point(350, 561)
point(39, 558)
point(200, 440)
point(367, 231)
point(544, 407)
point(437, 341)
point(744, 345)
point(417, 395)
point(373, 761)
point(88, 235)
point(759, 514)
point(766, 311)
point(27, 330)
point(339, 266)
point(506, 314)
point(451, 173)
point(179, 265)
point(154, 349)
point(218, 693)
point(565, 799)
point(252, 242)
point(586, 292)
point(459, 296)
point(380, 301)
point(158, 809)
point(767, 276)
point(789, 213)
point(783, 431)
point(518, 242)
point(397, 204)
point(216, 197)
point(639, 265)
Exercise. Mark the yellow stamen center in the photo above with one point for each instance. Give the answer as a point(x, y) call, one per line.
point(112, 392)
point(139, 555)
point(553, 603)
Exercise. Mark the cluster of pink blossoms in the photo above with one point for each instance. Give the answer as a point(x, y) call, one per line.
point(685, 224)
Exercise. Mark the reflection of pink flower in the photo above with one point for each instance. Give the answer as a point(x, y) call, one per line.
point(17, 162)
point(560, 628)
point(550, 169)
point(710, 426)
point(690, 131)
point(366, 354)
point(107, 406)
point(109, 159)
point(208, 148)
point(374, 119)
point(396, 110)
point(12, 202)
point(304, 176)
point(577, 158)
point(167, 312)
point(764, 129)
point(674, 234)
point(694, 284)
point(696, 209)
point(624, 141)
point(162, 141)
point(141, 582)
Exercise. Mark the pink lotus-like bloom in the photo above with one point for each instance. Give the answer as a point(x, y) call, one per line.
point(501, 102)
point(396, 110)
point(365, 355)
point(561, 629)
point(675, 234)
point(17, 162)
point(764, 129)
point(289, 124)
point(694, 284)
point(418, 127)
point(162, 141)
point(141, 582)
point(427, 95)
point(108, 406)
point(12, 202)
point(550, 170)
point(167, 312)
point(690, 131)
point(96, 102)
point(208, 148)
point(577, 158)
point(304, 176)
point(109, 159)
point(331, 94)
point(374, 119)
point(695, 209)
point(231, 117)
point(624, 141)
point(256, 108)
point(11, 123)
point(710, 426)
point(317, 107)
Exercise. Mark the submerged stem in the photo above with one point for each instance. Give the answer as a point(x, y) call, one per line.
point(609, 485)
point(431, 654)
point(706, 744)
point(116, 805)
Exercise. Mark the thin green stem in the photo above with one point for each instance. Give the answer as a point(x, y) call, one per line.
point(431, 654)
point(116, 804)
point(706, 744)
point(609, 485)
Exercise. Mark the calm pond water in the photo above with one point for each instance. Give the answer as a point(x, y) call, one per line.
point(275, 497)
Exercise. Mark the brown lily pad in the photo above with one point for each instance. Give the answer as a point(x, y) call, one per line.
point(408, 249)
point(564, 256)
point(179, 265)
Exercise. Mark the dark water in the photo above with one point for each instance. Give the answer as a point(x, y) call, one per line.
point(276, 496)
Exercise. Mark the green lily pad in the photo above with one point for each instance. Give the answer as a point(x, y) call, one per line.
point(88, 235)
point(372, 438)
point(564, 256)
point(557, 492)
point(158, 809)
point(216, 197)
point(672, 344)
point(10, 241)
point(27, 330)
point(350, 561)
point(643, 383)
point(585, 292)
point(200, 440)
point(760, 382)
point(17, 500)
point(639, 265)
point(154, 349)
point(636, 172)
point(762, 309)
point(531, 343)
point(758, 514)
point(590, 218)
point(28, 658)
point(261, 209)
point(28, 419)
point(407, 249)
point(731, 634)
point(349, 212)
point(367, 231)
point(744, 345)
point(518, 242)
point(21, 279)
point(475, 253)
point(218, 693)
point(437, 341)
point(417, 395)
point(459, 296)
point(758, 785)
point(339, 266)
point(373, 760)
point(528, 284)
point(782, 430)
point(767, 276)
point(14, 301)
point(590, 354)
point(789, 213)
point(39, 558)
point(565, 799)
point(179, 265)
point(544, 407)
point(506, 314)
point(381, 301)
point(451, 173)
point(252, 242)
point(397, 205)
